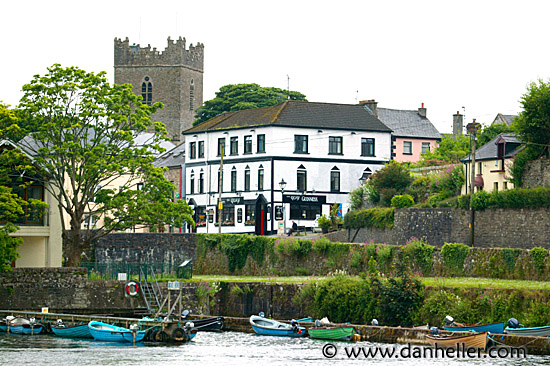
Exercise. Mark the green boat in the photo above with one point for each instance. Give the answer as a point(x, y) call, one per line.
point(342, 333)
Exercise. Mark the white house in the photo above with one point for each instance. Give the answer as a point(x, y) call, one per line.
point(292, 160)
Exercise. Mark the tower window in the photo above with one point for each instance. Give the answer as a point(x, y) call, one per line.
point(192, 96)
point(147, 91)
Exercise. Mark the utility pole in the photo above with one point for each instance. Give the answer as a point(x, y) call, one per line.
point(220, 186)
point(472, 129)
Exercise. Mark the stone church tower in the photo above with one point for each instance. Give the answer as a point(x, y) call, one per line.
point(173, 77)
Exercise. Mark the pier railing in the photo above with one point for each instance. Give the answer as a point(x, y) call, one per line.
point(138, 271)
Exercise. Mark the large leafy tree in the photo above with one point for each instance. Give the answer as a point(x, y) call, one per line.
point(533, 122)
point(235, 97)
point(83, 142)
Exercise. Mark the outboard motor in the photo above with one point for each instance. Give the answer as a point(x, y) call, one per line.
point(184, 314)
point(294, 325)
point(317, 323)
point(374, 322)
point(513, 323)
point(188, 326)
point(262, 314)
point(434, 331)
point(449, 320)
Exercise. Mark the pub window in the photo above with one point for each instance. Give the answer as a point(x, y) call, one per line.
point(247, 178)
point(248, 144)
point(407, 147)
point(147, 91)
point(335, 145)
point(201, 182)
point(201, 149)
point(261, 178)
point(233, 180)
point(249, 215)
point(228, 215)
point(367, 147)
point(221, 146)
point(192, 150)
point(192, 183)
point(200, 215)
point(335, 180)
point(261, 143)
point(300, 144)
point(304, 212)
point(239, 215)
point(301, 179)
point(234, 146)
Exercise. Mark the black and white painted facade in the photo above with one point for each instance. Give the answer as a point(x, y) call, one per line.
point(320, 163)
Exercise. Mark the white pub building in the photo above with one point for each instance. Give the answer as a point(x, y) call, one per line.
point(279, 164)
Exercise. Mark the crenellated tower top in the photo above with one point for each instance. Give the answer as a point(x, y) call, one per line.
point(174, 54)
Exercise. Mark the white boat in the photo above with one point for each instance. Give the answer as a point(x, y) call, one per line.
point(534, 332)
point(272, 327)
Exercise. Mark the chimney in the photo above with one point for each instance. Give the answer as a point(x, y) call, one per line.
point(422, 111)
point(458, 124)
point(371, 104)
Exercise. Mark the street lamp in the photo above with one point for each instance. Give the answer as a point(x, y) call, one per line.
point(282, 184)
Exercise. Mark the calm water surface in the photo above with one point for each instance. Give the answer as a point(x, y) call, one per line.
point(229, 348)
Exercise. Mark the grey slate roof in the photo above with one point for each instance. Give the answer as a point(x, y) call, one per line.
point(171, 158)
point(504, 118)
point(407, 123)
point(489, 151)
point(293, 113)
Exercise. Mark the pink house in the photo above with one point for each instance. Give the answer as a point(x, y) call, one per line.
point(413, 133)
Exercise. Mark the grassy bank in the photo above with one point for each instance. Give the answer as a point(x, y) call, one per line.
point(453, 282)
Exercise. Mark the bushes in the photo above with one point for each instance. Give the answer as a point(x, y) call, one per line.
point(422, 253)
point(539, 256)
point(512, 198)
point(402, 201)
point(380, 218)
point(454, 255)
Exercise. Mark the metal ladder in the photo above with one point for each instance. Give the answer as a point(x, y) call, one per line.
point(152, 295)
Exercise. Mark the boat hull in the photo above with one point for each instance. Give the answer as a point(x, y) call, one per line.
point(332, 333)
point(75, 331)
point(210, 324)
point(477, 340)
point(23, 326)
point(495, 328)
point(533, 332)
point(111, 333)
point(271, 327)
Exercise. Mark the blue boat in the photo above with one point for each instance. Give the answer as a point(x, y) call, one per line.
point(3, 325)
point(264, 326)
point(71, 331)
point(111, 333)
point(24, 326)
point(494, 328)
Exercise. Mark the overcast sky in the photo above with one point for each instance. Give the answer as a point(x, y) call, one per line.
point(476, 57)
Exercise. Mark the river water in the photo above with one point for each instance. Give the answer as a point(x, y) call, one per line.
point(228, 348)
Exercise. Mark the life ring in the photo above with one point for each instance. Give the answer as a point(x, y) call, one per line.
point(132, 288)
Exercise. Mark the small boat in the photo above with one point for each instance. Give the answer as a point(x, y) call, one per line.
point(24, 326)
point(494, 328)
point(333, 333)
point(422, 326)
point(534, 332)
point(3, 325)
point(264, 326)
point(111, 333)
point(214, 324)
point(71, 331)
point(476, 340)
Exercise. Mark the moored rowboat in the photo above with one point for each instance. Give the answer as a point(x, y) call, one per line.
point(495, 328)
point(111, 333)
point(476, 340)
point(264, 326)
point(72, 331)
point(535, 331)
point(24, 326)
point(333, 333)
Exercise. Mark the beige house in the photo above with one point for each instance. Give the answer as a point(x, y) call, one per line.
point(492, 164)
point(41, 234)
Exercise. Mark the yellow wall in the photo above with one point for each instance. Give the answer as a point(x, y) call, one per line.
point(490, 175)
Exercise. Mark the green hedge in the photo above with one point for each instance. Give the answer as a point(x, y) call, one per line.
point(381, 218)
point(511, 198)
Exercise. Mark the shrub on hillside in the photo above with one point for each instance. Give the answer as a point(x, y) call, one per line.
point(402, 201)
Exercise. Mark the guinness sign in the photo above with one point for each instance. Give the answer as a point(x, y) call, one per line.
point(298, 198)
point(233, 200)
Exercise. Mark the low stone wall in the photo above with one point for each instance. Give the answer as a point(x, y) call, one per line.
point(536, 174)
point(145, 247)
point(503, 228)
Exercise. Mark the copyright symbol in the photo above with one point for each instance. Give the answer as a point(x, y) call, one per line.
point(329, 350)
